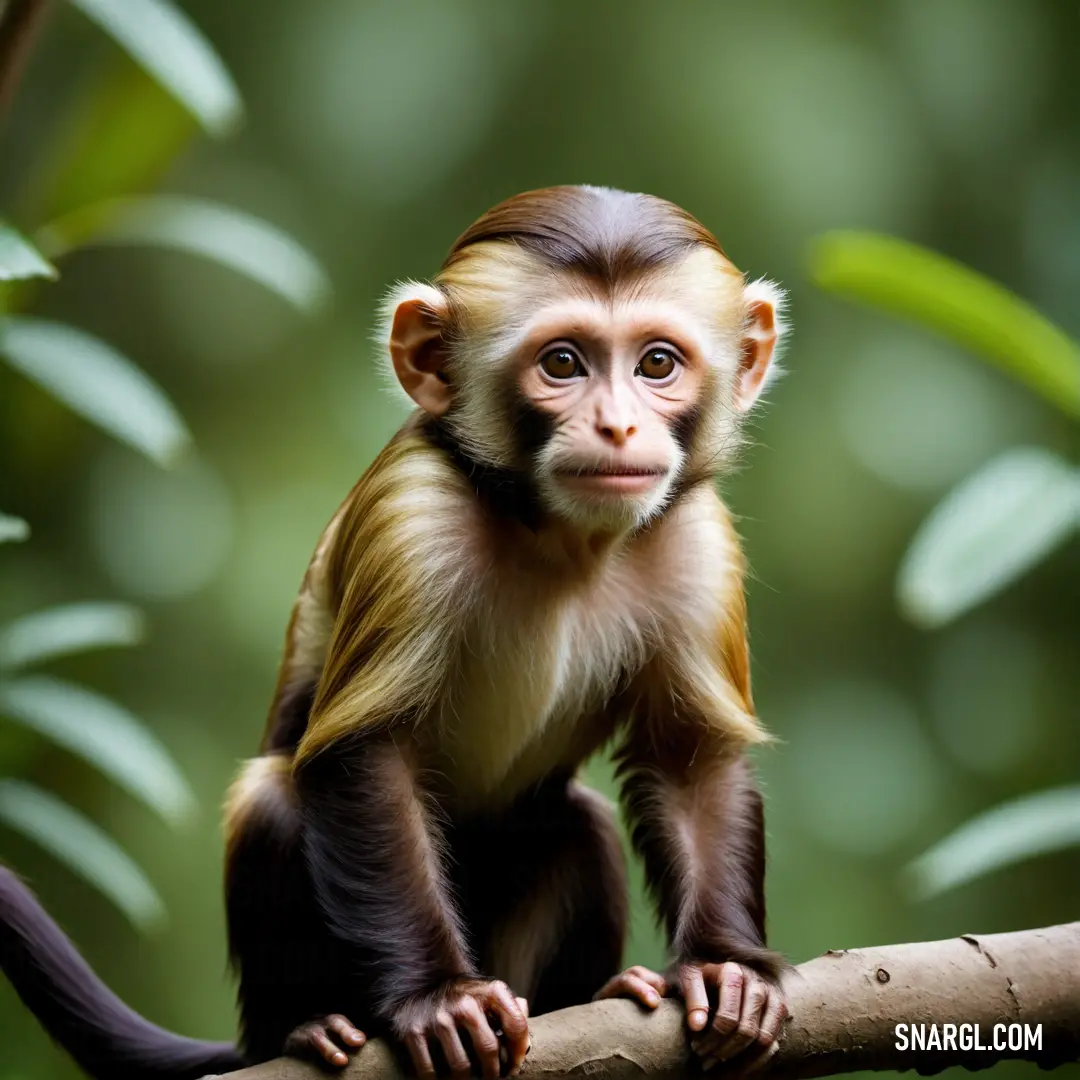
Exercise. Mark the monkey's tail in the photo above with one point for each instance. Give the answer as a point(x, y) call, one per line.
point(108, 1040)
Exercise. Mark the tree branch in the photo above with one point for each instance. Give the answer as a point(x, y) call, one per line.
point(844, 1009)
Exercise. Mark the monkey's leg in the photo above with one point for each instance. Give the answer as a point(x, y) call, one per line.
point(291, 972)
point(545, 895)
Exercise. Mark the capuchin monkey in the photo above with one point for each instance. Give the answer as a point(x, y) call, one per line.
point(536, 566)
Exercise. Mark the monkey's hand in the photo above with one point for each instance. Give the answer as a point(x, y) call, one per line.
point(731, 1009)
point(494, 1020)
point(644, 986)
point(328, 1040)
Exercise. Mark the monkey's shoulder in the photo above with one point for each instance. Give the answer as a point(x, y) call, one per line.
point(691, 557)
point(696, 598)
point(410, 515)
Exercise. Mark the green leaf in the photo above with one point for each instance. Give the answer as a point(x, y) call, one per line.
point(119, 134)
point(19, 259)
point(161, 38)
point(104, 734)
point(988, 531)
point(958, 302)
point(83, 848)
point(94, 380)
point(237, 240)
point(1033, 825)
point(13, 529)
point(71, 628)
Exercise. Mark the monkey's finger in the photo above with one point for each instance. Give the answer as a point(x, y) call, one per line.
point(523, 1005)
point(325, 1048)
point(754, 1001)
point(694, 994)
point(653, 978)
point(514, 1024)
point(416, 1044)
point(772, 1020)
point(452, 1047)
point(485, 1042)
point(633, 986)
point(516, 1048)
point(344, 1029)
point(508, 1009)
point(729, 980)
point(638, 983)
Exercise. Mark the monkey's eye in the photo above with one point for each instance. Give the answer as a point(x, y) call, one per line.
point(561, 363)
point(657, 365)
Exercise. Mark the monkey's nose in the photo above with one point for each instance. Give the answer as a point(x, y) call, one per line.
point(617, 433)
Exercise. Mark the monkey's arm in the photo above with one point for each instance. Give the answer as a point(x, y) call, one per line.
point(697, 820)
point(393, 583)
point(695, 810)
point(374, 854)
point(399, 575)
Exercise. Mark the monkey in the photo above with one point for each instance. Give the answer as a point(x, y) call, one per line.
point(538, 565)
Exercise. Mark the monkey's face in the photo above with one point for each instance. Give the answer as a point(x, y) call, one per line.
point(612, 396)
point(607, 395)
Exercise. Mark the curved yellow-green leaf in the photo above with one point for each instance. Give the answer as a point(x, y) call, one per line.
point(951, 298)
point(69, 628)
point(82, 847)
point(19, 259)
point(97, 382)
point(164, 41)
point(235, 239)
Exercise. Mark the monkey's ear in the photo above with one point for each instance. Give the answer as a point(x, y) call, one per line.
point(762, 330)
point(414, 321)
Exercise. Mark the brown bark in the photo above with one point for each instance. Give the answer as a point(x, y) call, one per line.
point(844, 1008)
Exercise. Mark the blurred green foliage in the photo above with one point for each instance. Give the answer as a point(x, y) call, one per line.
point(101, 385)
point(98, 383)
point(947, 296)
point(376, 132)
point(997, 523)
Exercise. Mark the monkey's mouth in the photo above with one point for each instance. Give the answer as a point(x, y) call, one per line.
point(613, 479)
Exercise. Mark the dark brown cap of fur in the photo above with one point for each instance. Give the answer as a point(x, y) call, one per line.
point(603, 233)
